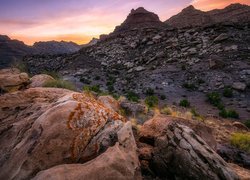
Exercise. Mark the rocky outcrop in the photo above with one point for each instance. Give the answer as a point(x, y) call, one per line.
point(40, 80)
point(178, 153)
point(44, 127)
point(139, 18)
point(55, 47)
point(118, 162)
point(13, 80)
point(191, 17)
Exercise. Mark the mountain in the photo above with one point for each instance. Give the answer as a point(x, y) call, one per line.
point(55, 47)
point(12, 51)
point(189, 17)
point(139, 18)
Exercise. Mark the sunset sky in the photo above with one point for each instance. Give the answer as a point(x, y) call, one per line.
point(80, 20)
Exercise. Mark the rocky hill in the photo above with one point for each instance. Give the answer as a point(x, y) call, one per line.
point(13, 51)
point(191, 17)
point(177, 63)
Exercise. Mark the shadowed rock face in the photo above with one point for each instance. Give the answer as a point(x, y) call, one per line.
point(190, 17)
point(139, 18)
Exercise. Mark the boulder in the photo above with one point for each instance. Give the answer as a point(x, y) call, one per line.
point(13, 80)
point(44, 127)
point(40, 80)
point(181, 153)
point(118, 162)
point(239, 86)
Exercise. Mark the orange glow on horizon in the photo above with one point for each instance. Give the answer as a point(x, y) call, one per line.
point(207, 5)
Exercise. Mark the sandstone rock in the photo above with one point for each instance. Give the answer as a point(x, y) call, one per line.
point(118, 162)
point(180, 154)
point(239, 86)
point(44, 127)
point(109, 102)
point(240, 126)
point(13, 80)
point(40, 80)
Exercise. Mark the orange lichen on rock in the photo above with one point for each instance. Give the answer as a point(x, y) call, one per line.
point(86, 120)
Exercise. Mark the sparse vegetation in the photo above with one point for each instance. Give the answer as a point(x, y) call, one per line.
point(228, 92)
point(184, 103)
point(151, 101)
point(163, 97)
point(132, 96)
point(229, 114)
point(150, 92)
point(241, 141)
point(196, 115)
point(166, 110)
point(20, 65)
point(59, 83)
point(54, 74)
point(247, 123)
point(214, 99)
point(94, 88)
point(189, 86)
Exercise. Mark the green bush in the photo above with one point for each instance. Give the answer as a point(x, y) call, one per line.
point(184, 103)
point(150, 92)
point(228, 92)
point(247, 123)
point(94, 88)
point(189, 86)
point(229, 114)
point(166, 110)
point(59, 83)
point(241, 141)
point(214, 98)
point(132, 96)
point(20, 65)
point(151, 101)
point(163, 97)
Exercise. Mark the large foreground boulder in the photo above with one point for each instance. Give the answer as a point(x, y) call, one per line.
point(118, 162)
point(177, 152)
point(44, 127)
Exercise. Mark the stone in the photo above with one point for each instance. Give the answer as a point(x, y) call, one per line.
point(43, 127)
point(13, 80)
point(221, 37)
point(240, 126)
point(139, 68)
point(181, 154)
point(239, 86)
point(110, 102)
point(40, 80)
point(118, 162)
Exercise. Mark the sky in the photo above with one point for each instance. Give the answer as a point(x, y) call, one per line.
point(81, 20)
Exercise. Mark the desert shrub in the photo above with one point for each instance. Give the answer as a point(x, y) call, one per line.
point(163, 97)
point(247, 123)
point(85, 80)
point(150, 92)
point(241, 141)
point(229, 114)
point(54, 74)
point(151, 101)
point(20, 65)
point(132, 96)
point(214, 98)
point(94, 88)
point(183, 67)
point(228, 92)
point(200, 81)
point(189, 86)
point(184, 103)
point(197, 115)
point(59, 83)
point(166, 110)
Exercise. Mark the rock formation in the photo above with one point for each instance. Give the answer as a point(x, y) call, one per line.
point(191, 17)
